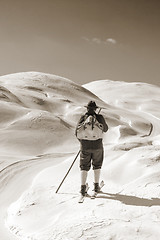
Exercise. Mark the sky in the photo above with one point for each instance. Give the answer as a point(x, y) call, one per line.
point(83, 40)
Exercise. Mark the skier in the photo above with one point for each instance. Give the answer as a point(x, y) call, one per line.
point(91, 147)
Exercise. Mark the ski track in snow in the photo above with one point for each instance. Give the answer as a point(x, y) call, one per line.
point(129, 206)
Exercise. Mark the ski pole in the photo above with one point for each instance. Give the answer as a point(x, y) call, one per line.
point(68, 172)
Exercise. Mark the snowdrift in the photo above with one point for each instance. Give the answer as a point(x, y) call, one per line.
point(37, 146)
point(35, 109)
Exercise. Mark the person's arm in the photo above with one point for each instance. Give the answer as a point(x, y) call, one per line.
point(101, 120)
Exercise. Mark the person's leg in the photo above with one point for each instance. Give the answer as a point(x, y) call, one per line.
point(96, 179)
point(97, 157)
point(83, 182)
point(85, 164)
point(84, 177)
point(97, 173)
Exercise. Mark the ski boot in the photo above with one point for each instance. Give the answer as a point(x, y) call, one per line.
point(83, 190)
point(96, 190)
point(96, 187)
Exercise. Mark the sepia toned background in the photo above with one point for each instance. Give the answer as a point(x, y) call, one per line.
point(83, 40)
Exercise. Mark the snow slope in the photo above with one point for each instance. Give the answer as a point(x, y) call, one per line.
point(37, 146)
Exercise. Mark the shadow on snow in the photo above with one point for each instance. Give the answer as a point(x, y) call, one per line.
point(130, 200)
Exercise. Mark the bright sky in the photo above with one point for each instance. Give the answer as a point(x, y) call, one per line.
point(83, 40)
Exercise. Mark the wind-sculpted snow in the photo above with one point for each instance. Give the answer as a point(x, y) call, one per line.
point(45, 91)
point(37, 146)
point(38, 113)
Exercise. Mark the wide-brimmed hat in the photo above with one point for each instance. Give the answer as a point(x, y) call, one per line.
point(92, 105)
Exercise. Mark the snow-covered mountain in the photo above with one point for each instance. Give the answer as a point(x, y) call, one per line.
point(35, 109)
point(37, 146)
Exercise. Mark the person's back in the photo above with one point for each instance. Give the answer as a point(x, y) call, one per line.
point(91, 144)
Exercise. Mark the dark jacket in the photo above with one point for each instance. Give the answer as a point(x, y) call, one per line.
point(92, 144)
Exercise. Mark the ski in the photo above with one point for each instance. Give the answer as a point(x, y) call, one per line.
point(94, 195)
point(81, 199)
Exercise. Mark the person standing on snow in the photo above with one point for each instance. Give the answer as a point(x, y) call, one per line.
point(89, 132)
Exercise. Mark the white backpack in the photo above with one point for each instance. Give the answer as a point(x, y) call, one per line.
point(90, 129)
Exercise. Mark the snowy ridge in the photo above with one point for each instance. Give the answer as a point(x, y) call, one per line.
point(37, 146)
point(39, 110)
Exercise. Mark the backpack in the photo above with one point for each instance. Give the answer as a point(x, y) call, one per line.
point(90, 129)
